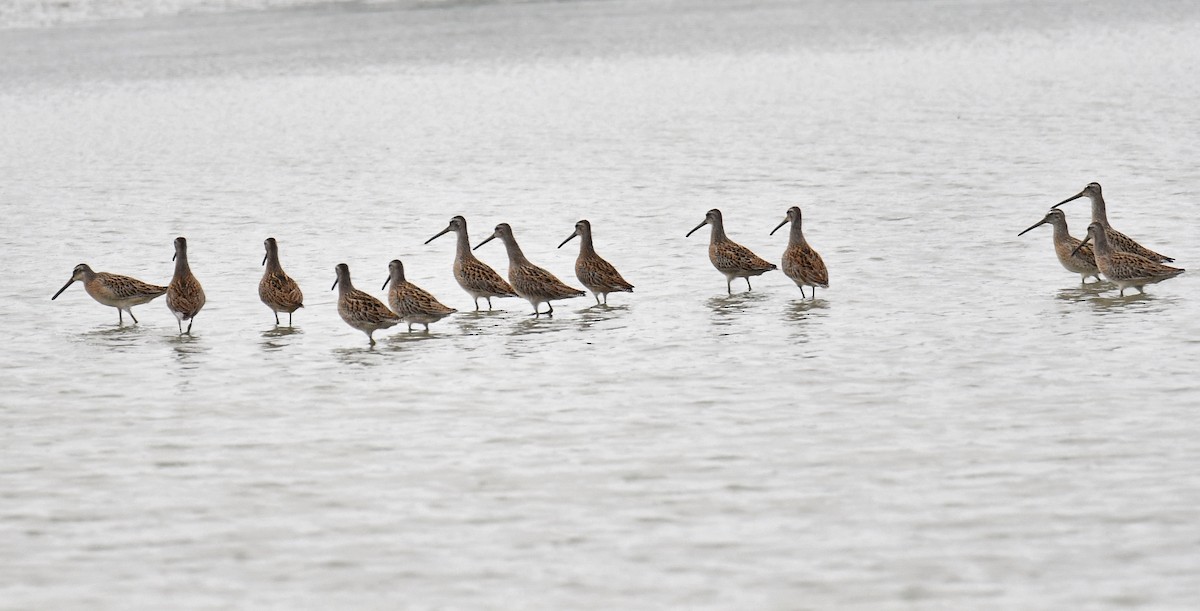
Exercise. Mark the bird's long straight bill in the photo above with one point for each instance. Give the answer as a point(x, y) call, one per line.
point(1085, 241)
point(490, 238)
point(335, 282)
point(264, 259)
point(1031, 228)
point(569, 238)
point(69, 282)
point(781, 224)
point(689, 234)
point(1069, 199)
point(385, 283)
point(439, 234)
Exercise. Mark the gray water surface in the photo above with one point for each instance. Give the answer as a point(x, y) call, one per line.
point(955, 423)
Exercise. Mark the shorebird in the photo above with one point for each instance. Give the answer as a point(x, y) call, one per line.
point(1123, 268)
point(185, 297)
point(412, 303)
point(1082, 261)
point(800, 262)
point(473, 275)
point(120, 292)
point(1119, 241)
point(730, 258)
point(277, 289)
point(598, 275)
point(528, 280)
point(358, 309)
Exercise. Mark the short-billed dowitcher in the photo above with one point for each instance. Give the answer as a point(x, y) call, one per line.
point(358, 309)
point(412, 303)
point(473, 275)
point(730, 258)
point(1081, 261)
point(800, 262)
point(598, 275)
point(530, 281)
point(1123, 268)
point(1117, 240)
point(277, 289)
point(185, 296)
point(120, 292)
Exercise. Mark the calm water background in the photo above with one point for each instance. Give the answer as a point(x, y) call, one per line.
point(955, 423)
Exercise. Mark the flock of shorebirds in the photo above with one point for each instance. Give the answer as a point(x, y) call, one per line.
point(413, 305)
point(1119, 258)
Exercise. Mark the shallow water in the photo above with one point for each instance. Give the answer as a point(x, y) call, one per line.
point(955, 423)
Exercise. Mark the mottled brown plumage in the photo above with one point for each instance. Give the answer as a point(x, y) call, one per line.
point(276, 289)
point(185, 296)
point(1082, 261)
point(800, 262)
point(1126, 269)
point(528, 280)
point(1119, 241)
point(473, 275)
point(113, 290)
point(598, 275)
point(730, 258)
point(412, 303)
point(358, 309)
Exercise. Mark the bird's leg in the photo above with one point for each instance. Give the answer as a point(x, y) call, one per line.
point(192, 320)
point(120, 317)
point(802, 295)
point(276, 317)
point(729, 286)
point(748, 284)
point(550, 312)
point(476, 304)
point(179, 321)
point(289, 319)
point(597, 296)
point(489, 303)
point(135, 321)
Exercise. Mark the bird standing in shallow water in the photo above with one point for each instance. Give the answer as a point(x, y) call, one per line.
point(120, 292)
point(1119, 241)
point(185, 296)
point(1123, 268)
point(800, 262)
point(730, 258)
point(473, 275)
point(598, 275)
point(412, 303)
point(528, 280)
point(1081, 261)
point(358, 309)
point(277, 289)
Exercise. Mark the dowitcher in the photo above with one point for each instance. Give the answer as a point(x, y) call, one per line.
point(528, 280)
point(412, 303)
point(800, 262)
point(358, 309)
point(1123, 268)
point(598, 275)
point(185, 297)
point(1081, 261)
point(277, 289)
point(120, 292)
point(730, 258)
point(473, 275)
point(1118, 241)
